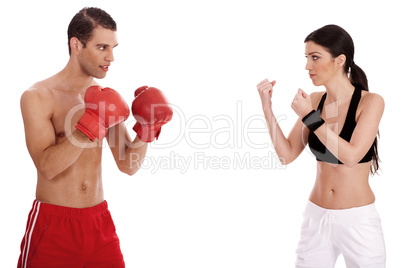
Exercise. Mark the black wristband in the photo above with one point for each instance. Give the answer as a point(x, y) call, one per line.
point(313, 120)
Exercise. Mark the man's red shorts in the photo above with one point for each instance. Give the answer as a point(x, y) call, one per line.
point(69, 237)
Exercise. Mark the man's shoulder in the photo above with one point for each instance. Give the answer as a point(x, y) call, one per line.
point(37, 94)
point(41, 89)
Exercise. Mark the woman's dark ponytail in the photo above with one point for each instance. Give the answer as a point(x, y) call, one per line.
point(337, 42)
point(358, 77)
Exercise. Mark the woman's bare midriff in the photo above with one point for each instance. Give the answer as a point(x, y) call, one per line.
point(342, 187)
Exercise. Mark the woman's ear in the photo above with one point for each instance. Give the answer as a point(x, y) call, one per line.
point(341, 60)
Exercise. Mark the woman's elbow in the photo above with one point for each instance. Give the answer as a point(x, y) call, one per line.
point(351, 160)
point(285, 160)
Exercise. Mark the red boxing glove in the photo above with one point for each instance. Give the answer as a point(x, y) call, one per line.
point(151, 110)
point(104, 108)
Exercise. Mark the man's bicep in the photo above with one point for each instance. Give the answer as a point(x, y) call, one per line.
point(39, 130)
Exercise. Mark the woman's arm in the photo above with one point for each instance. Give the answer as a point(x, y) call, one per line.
point(287, 149)
point(349, 153)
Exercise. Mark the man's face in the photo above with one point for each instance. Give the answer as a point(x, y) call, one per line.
point(97, 56)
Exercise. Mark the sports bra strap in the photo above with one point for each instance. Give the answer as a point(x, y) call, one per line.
point(319, 108)
point(351, 116)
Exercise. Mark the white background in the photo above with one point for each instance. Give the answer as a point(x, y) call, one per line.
point(207, 56)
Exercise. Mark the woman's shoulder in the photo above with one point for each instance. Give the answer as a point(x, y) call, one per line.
point(317, 94)
point(316, 98)
point(369, 99)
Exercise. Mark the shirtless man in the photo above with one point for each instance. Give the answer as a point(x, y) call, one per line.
point(70, 224)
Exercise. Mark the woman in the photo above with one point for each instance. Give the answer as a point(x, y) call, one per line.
point(340, 126)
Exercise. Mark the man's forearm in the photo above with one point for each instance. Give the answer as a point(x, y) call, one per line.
point(57, 158)
point(133, 156)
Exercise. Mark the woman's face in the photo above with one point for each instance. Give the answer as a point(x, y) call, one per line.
point(320, 65)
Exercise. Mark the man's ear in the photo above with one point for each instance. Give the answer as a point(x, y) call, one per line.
point(75, 45)
point(341, 60)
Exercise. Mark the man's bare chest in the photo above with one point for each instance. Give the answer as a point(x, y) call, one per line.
point(67, 110)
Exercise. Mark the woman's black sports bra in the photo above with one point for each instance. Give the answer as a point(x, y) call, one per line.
point(318, 148)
